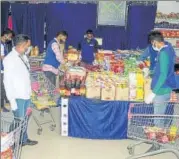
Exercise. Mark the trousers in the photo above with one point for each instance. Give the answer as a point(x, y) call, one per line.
point(160, 105)
point(3, 92)
point(22, 106)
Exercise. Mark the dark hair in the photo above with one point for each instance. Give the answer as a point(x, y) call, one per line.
point(155, 35)
point(7, 31)
point(64, 33)
point(89, 31)
point(18, 39)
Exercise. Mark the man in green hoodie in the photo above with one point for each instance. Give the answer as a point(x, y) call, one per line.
point(163, 80)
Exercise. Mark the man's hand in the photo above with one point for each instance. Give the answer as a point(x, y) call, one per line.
point(150, 98)
point(13, 104)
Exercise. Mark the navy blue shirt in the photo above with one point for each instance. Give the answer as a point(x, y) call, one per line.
point(88, 48)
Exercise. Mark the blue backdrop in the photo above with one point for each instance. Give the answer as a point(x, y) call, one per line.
point(140, 22)
point(29, 19)
point(74, 18)
point(4, 15)
point(77, 18)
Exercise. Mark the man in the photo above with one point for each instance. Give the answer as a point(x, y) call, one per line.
point(163, 81)
point(88, 47)
point(54, 57)
point(10, 44)
point(17, 80)
point(151, 52)
point(6, 36)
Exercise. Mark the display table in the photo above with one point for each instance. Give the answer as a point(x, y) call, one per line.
point(96, 119)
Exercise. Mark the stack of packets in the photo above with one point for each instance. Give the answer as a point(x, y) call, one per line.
point(6, 144)
point(174, 97)
point(106, 86)
point(136, 86)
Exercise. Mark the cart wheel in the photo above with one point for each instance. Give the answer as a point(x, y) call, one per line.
point(39, 131)
point(130, 150)
point(52, 127)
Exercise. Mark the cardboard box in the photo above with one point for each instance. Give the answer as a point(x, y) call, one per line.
point(93, 92)
point(147, 87)
point(122, 94)
point(108, 93)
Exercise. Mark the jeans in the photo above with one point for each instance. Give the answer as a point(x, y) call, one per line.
point(51, 76)
point(3, 92)
point(160, 106)
point(21, 113)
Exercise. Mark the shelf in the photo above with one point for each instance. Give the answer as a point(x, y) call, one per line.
point(166, 29)
point(175, 21)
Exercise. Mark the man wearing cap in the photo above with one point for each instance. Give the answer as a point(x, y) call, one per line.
point(88, 47)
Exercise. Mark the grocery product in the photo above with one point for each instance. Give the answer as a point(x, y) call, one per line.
point(108, 93)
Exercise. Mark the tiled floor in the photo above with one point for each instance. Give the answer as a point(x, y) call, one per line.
point(53, 146)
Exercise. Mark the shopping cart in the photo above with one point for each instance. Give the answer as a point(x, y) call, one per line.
point(159, 130)
point(44, 97)
point(11, 136)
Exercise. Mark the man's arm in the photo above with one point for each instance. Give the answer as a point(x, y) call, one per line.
point(2, 51)
point(164, 61)
point(145, 54)
point(96, 46)
point(58, 53)
point(79, 46)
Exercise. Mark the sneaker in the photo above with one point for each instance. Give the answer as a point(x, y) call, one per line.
point(30, 143)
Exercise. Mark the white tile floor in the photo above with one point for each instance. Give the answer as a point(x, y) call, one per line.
point(53, 146)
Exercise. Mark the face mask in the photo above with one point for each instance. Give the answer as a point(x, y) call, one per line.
point(28, 50)
point(7, 38)
point(155, 48)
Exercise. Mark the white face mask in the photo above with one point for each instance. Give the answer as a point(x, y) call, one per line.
point(28, 50)
point(155, 48)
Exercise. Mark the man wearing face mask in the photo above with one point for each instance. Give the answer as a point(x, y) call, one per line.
point(151, 52)
point(5, 37)
point(163, 81)
point(17, 81)
point(54, 57)
point(88, 47)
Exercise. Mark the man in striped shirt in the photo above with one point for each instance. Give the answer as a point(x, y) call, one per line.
point(54, 57)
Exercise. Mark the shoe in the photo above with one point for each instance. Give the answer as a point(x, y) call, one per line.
point(153, 148)
point(30, 143)
point(4, 109)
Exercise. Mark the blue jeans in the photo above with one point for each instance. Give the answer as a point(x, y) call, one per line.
point(160, 106)
point(22, 106)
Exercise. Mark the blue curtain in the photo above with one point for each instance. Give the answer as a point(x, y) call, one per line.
point(74, 18)
point(140, 22)
point(19, 18)
point(113, 37)
point(4, 15)
point(29, 19)
point(36, 19)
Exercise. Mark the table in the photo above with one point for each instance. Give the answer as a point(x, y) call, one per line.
point(96, 119)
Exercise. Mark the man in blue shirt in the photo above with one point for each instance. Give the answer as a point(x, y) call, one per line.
point(152, 52)
point(88, 47)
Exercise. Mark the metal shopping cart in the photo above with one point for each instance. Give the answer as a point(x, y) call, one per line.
point(44, 97)
point(11, 136)
point(159, 130)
